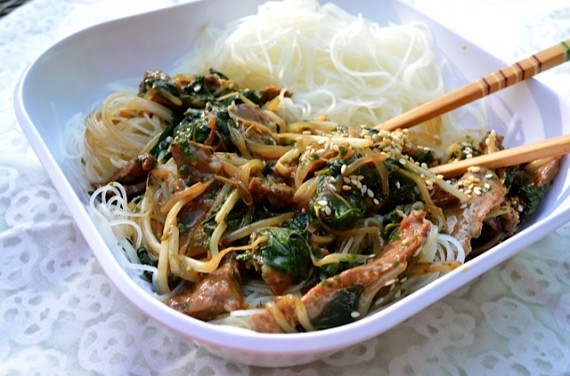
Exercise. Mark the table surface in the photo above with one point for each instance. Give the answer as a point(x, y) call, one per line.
point(60, 314)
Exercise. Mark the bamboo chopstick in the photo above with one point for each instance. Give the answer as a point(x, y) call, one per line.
point(551, 147)
point(505, 77)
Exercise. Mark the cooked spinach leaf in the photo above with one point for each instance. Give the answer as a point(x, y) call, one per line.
point(338, 311)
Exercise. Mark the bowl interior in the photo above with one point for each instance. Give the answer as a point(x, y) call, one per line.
point(77, 73)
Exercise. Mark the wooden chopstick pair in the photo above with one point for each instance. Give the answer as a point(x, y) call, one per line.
point(491, 83)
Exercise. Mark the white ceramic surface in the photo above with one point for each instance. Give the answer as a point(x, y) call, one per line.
point(76, 72)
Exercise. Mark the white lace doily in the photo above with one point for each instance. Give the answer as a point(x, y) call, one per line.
point(60, 315)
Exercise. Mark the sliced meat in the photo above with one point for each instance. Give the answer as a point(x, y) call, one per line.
point(390, 265)
point(194, 240)
point(442, 198)
point(271, 92)
point(544, 174)
point(492, 142)
point(195, 161)
point(250, 116)
point(136, 170)
point(217, 84)
point(218, 293)
point(277, 282)
point(133, 175)
point(495, 230)
point(279, 195)
point(465, 220)
point(510, 221)
point(505, 224)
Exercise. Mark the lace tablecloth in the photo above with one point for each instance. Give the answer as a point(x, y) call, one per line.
point(60, 315)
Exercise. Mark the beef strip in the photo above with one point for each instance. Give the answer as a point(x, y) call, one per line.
point(250, 115)
point(389, 265)
point(277, 282)
point(442, 198)
point(195, 161)
point(271, 92)
point(465, 220)
point(133, 175)
point(194, 240)
point(492, 142)
point(495, 230)
point(545, 174)
point(218, 293)
point(507, 223)
point(498, 228)
point(279, 195)
point(136, 170)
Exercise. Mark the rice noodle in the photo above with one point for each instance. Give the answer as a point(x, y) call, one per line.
point(336, 64)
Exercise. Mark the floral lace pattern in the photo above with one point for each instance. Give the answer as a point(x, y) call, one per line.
point(60, 314)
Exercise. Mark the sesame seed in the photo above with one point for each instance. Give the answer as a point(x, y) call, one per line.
point(370, 193)
point(354, 314)
point(328, 210)
point(343, 169)
point(346, 187)
point(398, 185)
point(323, 203)
point(376, 202)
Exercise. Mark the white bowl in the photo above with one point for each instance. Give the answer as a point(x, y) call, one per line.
point(74, 74)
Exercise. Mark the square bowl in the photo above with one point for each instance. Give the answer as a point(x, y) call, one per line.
point(78, 72)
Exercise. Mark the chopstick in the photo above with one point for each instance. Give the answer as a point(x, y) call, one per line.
point(551, 147)
point(505, 77)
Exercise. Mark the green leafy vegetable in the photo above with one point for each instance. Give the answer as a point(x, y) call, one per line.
point(338, 311)
point(338, 210)
point(285, 251)
point(519, 186)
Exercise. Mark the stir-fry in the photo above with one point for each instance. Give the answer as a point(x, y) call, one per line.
point(242, 218)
